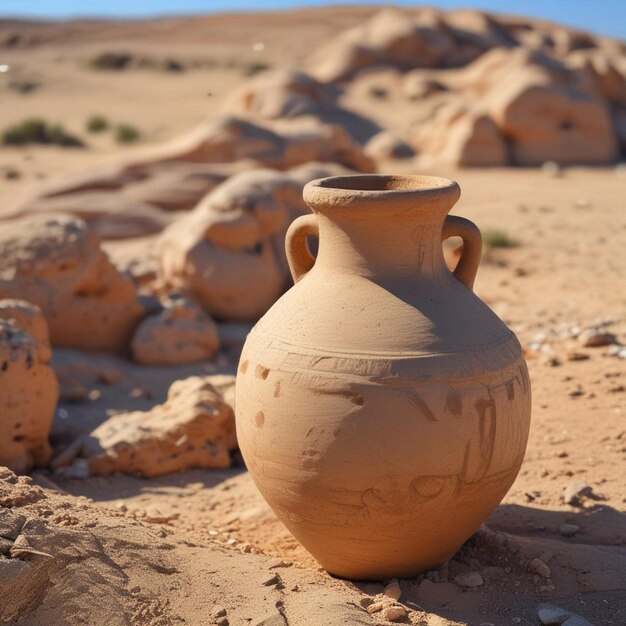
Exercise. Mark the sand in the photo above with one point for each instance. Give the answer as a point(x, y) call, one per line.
point(180, 549)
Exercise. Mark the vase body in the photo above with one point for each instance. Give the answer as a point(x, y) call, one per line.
point(382, 408)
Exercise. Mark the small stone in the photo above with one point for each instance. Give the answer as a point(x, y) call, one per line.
point(594, 338)
point(549, 614)
point(573, 355)
point(218, 611)
point(221, 621)
point(575, 492)
point(375, 607)
point(568, 530)
point(392, 590)
point(551, 169)
point(394, 613)
point(365, 601)
point(280, 563)
point(472, 579)
point(537, 566)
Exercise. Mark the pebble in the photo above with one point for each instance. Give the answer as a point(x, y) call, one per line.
point(473, 579)
point(552, 169)
point(394, 613)
point(576, 620)
point(549, 614)
point(218, 611)
point(392, 590)
point(375, 607)
point(593, 338)
point(573, 355)
point(575, 492)
point(537, 566)
point(568, 530)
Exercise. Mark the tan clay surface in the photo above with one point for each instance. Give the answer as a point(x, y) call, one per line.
point(379, 395)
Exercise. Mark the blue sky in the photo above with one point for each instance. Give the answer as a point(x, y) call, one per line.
point(601, 16)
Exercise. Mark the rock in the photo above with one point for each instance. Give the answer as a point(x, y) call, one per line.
point(394, 613)
point(415, 85)
point(280, 146)
point(28, 318)
point(270, 580)
point(181, 333)
point(461, 136)
point(385, 145)
point(228, 253)
point(28, 389)
point(568, 530)
point(218, 611)
point(549, 614)
point(576, 492)
point(546, 112)
point(56, 263)
point(392, 38)
point(392, 590)
point(194, 428)
point(537, 566)
point(594, 338)
point(471, 579)
point(275, 619)
point(577, 620)
point(108, 213)
point(375, 607)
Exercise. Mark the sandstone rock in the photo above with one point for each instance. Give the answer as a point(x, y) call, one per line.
point(392, 590)
point(415, 85)
point(56, 263)
point(537, 566)
point(195, 427)
point(229, 139)
point(228, 253)
point(462, 136)
point(28, 388)
point(391, 38)
point(546, 112)
point(385, 145)
point(606, 77)
point(181, 333)
point(576, 492)
point(287, 94)
point(394, 613)
point(109, 214)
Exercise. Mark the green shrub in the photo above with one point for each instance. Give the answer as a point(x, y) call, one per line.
point(39, 131)
point(97, 124)
point(497, 238)
point(126, 133)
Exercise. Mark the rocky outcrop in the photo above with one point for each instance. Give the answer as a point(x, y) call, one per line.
point(28, 387)
point(385, 145)
point(194, 428)
point(181, 333)
point(56, 263)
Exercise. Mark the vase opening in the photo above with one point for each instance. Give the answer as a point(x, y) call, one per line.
point(384, 192)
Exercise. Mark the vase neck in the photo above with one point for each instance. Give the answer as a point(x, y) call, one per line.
point(386, 245)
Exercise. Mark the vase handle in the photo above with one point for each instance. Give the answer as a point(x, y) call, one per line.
point(299, 255)
point(466, 268)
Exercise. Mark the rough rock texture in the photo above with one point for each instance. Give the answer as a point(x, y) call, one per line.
point(228, 251)
point(386, 145)
point(547, 113)
point(462, 136)
point(195, 427)
point(181, 333)
point(229, 139)
point(289, 93)
point(56, 263)
point(28, 387)
point(109, 214)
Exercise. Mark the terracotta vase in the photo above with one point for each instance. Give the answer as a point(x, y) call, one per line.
point(382, 408)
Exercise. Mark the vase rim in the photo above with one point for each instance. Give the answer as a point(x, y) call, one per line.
point(382, 190)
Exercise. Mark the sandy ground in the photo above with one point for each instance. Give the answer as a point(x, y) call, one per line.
point(217, 539)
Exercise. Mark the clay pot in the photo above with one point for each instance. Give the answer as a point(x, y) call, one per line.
point(382, 408)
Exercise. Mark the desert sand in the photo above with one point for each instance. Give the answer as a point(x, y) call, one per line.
point(141, 534)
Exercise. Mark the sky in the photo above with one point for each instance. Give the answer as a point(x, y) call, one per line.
point(601, 16)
